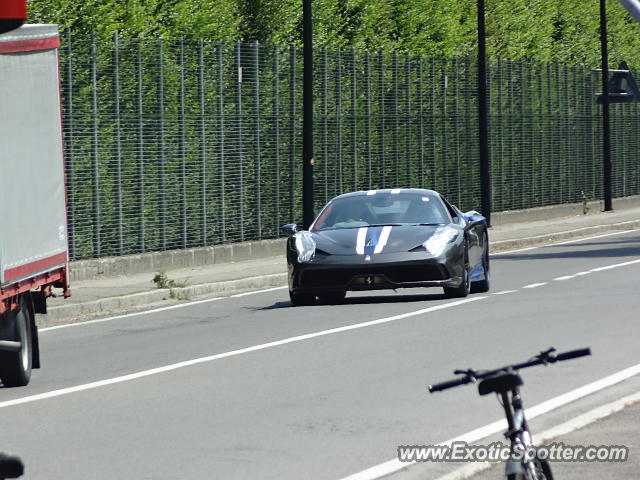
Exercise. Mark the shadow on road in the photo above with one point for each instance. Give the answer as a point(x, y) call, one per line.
point(359, 300)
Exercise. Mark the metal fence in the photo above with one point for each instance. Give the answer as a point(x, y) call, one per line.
point(176, 144)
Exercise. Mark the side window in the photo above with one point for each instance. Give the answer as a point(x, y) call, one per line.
point(455, 215)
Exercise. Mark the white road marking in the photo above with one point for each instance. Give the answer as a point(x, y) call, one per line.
point(545, 437)
point(395, 465)
point(566, 242)
point(254, 292)
point(609, 267)
point(504, 292)
point(535, 285)
point(566, 277)
point(579, 274)
point(232, 353)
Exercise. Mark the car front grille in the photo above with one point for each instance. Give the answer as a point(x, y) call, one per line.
point(394, 274)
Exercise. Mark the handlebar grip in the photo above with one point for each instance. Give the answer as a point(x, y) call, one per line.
point(581, 352)
point(450, 384)
point(10, 467)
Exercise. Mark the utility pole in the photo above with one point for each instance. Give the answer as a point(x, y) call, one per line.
point(307, 119)
point(483, 119)
point(606, 140)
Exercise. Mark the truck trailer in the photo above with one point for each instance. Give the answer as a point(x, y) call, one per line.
point(34, 255)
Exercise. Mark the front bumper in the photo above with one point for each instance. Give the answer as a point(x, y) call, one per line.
point(381, 271)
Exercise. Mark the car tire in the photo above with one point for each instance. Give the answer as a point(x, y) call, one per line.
point(463, 289)
point(15, 367)
point(301, 299)
point(332, 297)
point(482, 286)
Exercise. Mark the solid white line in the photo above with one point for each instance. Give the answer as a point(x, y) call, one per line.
point(535, 285)
point(566, 277)
point(569, 426)
point(579, 274)
point(504, 292)
point(395, 465)
point(232, 353)
point(253, 292)
point(566, 242)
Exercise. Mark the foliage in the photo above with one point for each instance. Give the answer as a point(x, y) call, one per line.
point(563, 31)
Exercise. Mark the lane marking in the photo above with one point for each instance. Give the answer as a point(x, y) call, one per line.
point(545, 437)
point(504, 292)
point(566, 277)
point(581, 273)
point(254, 292)
point(395, 465)
point(232, 353)
point(566, 242)
point(535, 285)
point(196, 302)
point(609, 267)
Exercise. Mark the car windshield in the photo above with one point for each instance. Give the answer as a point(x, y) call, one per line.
point(382, 209)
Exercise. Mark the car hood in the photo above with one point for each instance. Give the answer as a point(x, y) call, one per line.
point(375, 240)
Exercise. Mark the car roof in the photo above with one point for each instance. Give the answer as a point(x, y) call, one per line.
point(388, 191)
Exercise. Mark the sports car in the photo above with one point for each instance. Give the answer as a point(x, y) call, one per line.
point(387, 239)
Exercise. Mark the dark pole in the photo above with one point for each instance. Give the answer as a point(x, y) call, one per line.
point(483, 119)
point(606, 142)
point(307, 120)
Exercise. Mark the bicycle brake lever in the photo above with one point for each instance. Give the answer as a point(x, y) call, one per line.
point(546, 356)
point(470, 374)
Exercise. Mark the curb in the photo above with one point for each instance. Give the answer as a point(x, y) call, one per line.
point(113, 304)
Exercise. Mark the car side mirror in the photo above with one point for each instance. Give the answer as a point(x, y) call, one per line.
point(474, 224)
point(289, 228)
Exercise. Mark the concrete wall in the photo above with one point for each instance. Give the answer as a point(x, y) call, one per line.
point(237, 252)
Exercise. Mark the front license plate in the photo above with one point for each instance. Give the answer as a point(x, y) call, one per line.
point(369, 280)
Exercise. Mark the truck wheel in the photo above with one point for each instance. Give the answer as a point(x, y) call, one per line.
point(15, 366)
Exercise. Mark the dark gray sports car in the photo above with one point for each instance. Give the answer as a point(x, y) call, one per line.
point(387, 239)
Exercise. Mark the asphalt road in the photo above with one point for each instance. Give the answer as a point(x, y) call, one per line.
point(317, 392)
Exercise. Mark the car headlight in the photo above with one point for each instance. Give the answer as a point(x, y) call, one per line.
point(437, 242)
point(305, 246)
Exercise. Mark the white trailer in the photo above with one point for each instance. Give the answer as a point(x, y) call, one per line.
point(33, 220)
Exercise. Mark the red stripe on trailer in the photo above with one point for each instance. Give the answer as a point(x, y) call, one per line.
point(38, 266)
point(29, 45)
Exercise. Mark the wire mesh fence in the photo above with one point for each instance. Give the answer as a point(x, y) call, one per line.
point(176, 144)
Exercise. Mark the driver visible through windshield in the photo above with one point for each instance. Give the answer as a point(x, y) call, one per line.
point(382, 209)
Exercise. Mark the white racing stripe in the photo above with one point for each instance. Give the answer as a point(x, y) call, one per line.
point(395, 465)
point(382, 241)
point(232, 353)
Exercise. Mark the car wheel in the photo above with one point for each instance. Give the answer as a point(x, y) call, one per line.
point(301, 299)
point(15, 366)
point(332, 297)
point(482, 286)
point(463, 289)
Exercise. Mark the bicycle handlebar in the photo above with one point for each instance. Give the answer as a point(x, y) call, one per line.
point(543, 358)
point(10, 467)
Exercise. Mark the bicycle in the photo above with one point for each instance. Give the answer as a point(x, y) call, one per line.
point(10, 467)
point(506, 383)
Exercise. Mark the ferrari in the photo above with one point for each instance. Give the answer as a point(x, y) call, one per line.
point(387, 239)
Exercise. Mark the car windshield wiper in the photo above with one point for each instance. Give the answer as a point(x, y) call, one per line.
point(386, 224)
point(429, 224)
